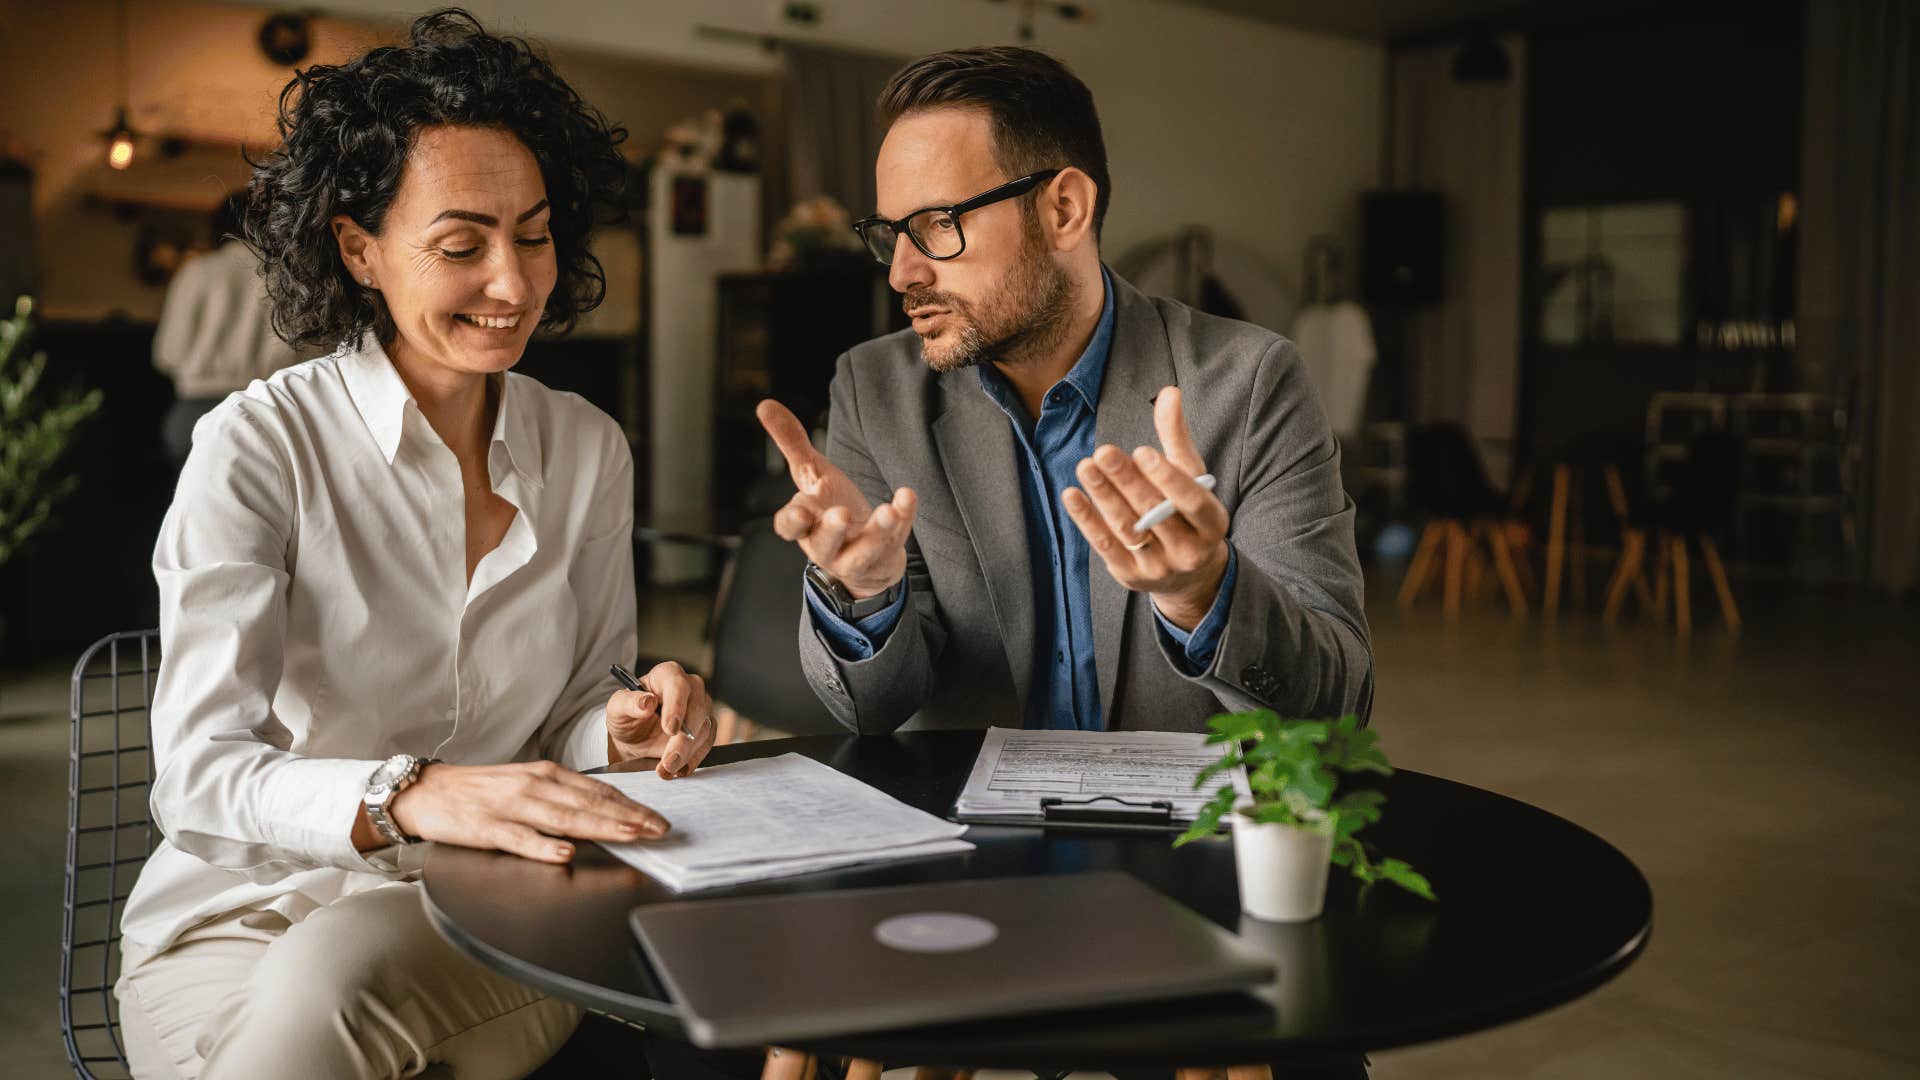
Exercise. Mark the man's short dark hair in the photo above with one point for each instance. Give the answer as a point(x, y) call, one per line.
point(1041, 114)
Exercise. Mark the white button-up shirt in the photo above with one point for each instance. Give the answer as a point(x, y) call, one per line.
point(316, 618)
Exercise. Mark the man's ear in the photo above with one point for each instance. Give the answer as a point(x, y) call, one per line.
point(356, 245)
point(1066, 207)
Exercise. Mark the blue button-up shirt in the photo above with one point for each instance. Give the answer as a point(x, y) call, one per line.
point(1066, 691)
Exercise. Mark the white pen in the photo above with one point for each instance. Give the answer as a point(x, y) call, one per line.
point(1165, 510)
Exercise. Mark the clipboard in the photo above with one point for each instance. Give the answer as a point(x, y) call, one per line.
point(1095, 813)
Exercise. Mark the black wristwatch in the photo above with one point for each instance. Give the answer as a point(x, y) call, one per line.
point(843, 602)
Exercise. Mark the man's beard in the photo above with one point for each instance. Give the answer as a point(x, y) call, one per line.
point(1026, 317)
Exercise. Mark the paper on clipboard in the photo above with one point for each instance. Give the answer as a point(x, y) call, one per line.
point(1016, 769)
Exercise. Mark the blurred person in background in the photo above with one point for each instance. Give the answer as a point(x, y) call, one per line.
point(215, 334)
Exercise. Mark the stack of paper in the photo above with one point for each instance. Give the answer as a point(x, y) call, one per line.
point(1016, 769)
point(773, 817)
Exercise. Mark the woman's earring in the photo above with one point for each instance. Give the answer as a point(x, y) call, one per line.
point(367, 281)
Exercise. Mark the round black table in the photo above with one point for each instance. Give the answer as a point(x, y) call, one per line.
point(1533, 911)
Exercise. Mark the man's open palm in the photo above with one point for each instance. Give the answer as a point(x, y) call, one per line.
point(863, 547)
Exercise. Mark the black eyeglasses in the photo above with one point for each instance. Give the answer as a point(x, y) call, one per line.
point(935, 230)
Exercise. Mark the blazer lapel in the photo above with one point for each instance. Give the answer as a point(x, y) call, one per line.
point(1140, 363)
point(977, 449)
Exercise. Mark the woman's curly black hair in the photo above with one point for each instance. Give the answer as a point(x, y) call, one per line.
point(345, 135)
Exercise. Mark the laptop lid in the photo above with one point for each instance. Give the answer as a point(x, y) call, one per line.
point(761, 970)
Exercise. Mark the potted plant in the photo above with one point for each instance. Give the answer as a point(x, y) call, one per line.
point(1304, 815)
point(35, 430)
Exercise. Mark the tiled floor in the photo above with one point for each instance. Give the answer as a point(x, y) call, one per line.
point(1762, 784)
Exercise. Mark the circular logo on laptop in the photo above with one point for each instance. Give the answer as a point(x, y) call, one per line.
point(935, 932)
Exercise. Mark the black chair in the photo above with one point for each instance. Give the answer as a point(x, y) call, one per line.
point(1447, 483)
point(1700, 503)
point(754, 653)
point(110, 833)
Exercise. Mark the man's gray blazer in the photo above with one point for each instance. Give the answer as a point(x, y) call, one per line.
point(962, 654)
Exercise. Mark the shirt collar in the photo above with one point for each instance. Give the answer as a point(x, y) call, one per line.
point(383, 400)
point(1087, 373)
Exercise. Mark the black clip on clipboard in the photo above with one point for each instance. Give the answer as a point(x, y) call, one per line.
point(1098, 813)
point(1155, 814)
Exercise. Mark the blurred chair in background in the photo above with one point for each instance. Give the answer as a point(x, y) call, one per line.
point(1698, 505)
point(752, 662)
point(1447, 482)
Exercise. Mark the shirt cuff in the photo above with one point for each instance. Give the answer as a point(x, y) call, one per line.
point(1198, 647)
point(311, 806)
point(855, 640)
point(582, 744)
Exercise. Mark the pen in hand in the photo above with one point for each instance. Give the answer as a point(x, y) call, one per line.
point(627, 680)
point(626, 677)
point(1165, 510)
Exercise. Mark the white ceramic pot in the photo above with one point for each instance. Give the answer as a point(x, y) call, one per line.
point(1282, 868)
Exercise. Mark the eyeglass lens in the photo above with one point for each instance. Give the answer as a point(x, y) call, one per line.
point(935, 232)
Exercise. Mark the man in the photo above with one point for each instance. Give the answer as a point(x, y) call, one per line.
point(970, 524)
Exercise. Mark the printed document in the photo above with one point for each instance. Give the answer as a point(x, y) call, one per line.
point(1018, 768)
point(773, 817)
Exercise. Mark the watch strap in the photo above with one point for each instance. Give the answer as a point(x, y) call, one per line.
point(843, 602)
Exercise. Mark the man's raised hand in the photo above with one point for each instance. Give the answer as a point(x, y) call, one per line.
point(863, 547)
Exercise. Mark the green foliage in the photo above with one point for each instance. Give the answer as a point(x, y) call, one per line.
point(1295, 770)
point(34, 434)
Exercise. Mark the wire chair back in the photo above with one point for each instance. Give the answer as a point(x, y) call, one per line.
point(109, 836)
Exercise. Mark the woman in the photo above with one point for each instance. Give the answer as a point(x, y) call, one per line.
point(392, 582)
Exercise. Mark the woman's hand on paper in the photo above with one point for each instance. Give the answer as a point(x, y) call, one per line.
point(670, 717)
point(862, 546)
point(524, 808)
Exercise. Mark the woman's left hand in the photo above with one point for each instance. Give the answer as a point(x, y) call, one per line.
point(670, 717)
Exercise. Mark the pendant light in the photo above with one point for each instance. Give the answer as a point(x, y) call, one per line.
point(120, 144)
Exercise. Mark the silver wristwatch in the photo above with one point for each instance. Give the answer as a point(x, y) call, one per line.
point(394, 776)
point(841, 600)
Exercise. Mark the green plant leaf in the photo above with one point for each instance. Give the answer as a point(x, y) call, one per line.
point(1406, 877)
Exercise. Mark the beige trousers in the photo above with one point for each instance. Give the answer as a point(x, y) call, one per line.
point(363, 987)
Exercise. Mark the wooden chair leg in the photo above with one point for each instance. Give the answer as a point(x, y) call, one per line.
point(862, 1069)
point(1577, 552)
point(1456, 559)
point(1503, 562)
point(1682, 597)
point(1556, 540)
point(1632, 554)
point(1729, 610)
point(784, 1064)
point(1663, 560)
point(1474, 583)
point(1423, 563)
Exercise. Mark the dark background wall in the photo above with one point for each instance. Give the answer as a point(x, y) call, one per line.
point(1664, 105)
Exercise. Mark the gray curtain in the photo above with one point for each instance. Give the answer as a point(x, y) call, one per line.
point(1466, 141)
point(832, 130)
point(1859, 309)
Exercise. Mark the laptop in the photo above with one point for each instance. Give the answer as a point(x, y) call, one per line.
point(761, 970)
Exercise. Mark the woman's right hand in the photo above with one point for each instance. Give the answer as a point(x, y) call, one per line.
point(522, 808)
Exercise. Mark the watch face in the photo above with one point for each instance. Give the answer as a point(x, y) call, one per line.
point(389, 772)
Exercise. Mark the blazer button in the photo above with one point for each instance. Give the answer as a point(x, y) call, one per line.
point(1253, 675)
point(833, 684)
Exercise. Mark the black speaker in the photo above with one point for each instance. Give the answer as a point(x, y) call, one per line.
point(1406, 244)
